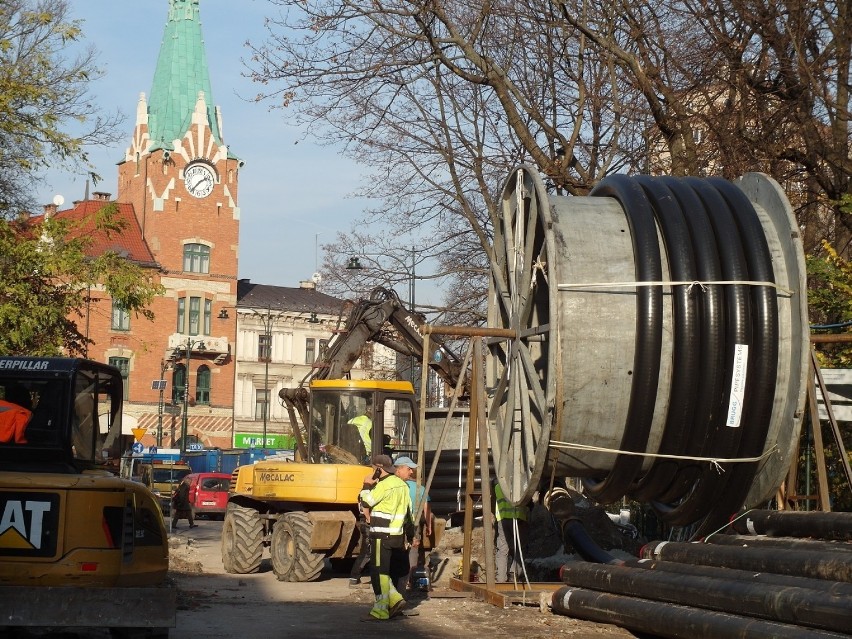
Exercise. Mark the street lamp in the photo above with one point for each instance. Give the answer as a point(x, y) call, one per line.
point(354, 264)
point(165, 365)
point(267, 320)
point(184, 422)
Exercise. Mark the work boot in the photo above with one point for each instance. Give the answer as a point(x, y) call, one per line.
point(380, 608)
point(354, 581)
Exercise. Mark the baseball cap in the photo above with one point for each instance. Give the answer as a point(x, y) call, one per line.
point(384, 462)
point(404, 460)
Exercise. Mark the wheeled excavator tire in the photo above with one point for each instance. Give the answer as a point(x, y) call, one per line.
point(242, 540)
point(292, 557)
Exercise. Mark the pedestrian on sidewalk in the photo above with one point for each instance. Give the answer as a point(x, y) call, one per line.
point(181, 508)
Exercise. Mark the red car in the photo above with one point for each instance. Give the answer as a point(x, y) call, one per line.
point(208, 493)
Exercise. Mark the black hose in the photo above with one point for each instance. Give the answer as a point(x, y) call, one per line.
point(762, 375)
point(649, 336)
point(686, 341)
point(711, 330)
point(585, 546)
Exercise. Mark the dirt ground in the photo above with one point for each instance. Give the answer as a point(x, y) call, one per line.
point(215, 605)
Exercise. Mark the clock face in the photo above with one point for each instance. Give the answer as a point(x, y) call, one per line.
point(199, 179)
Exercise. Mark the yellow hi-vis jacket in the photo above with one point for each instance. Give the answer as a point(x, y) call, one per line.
point(505, 509)
point(365, 428)
point(390, 503)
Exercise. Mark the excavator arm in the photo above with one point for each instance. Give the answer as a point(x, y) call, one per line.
point(368, 322)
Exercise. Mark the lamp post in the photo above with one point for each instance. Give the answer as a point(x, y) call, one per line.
point(165, 365)
point(354, 264)
point(184, 422)
point(267, 320)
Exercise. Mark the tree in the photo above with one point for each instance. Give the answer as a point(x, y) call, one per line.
point(46, 271)
point(441, 101)
point(42, 94)
point(742, 85)
point(47, 275)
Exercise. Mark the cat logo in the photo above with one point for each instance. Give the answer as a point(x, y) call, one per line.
point(28, 524)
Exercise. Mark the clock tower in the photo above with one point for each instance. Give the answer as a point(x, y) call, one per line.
point(182, 181)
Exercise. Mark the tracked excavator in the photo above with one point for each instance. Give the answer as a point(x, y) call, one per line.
point(306, 511)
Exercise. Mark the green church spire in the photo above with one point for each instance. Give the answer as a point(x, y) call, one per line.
point(180, 75)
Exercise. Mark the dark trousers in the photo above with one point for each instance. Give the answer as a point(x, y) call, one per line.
point(363, 559)
point(390, 558)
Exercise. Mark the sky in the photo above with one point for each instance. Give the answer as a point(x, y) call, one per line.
point(294, 194)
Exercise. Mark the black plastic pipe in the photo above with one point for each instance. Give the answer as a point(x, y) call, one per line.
point(712, 340)
point(648, 341)
point(762, 376)
point(671, 621)
point(786, 604)
point(819, 565)
point(585, 546)
point(794, 543)
point(786, 523)
point(685, 340)
point(829, 588)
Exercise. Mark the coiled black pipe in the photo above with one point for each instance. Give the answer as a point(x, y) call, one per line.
point(786, 604)
point(649, 336)
point(686, 340)
point(712, 339)
point(785, 523)
point(724, 354)
point(762, 376)
point(672, 621)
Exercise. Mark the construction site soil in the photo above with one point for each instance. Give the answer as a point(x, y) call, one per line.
point(216, 605)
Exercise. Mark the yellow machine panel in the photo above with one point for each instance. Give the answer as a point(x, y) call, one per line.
point(317, 483)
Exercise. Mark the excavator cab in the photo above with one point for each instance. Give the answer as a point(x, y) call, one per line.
point(351, 420)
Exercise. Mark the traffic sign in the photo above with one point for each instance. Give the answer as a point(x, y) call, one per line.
point(137, 447)
point(139, 433)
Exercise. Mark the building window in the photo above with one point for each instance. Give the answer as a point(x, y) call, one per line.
point(202, 385)
point(264, 348)
point(323, 347)
point(261, 404)
point(120, 317)
point(310, 350)
point(123, 366)
point(199, 321)
point(208, 310)
point(178, 383)
point(181, 314)
point(196, 258)
point(194, 315)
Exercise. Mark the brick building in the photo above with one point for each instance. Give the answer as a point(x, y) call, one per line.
point(177, 195)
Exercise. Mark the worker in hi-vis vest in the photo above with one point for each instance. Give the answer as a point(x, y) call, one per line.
point(510, 546)
point(389, 501)
point(364, 425)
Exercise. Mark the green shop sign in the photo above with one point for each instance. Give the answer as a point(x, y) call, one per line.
point(256, 440)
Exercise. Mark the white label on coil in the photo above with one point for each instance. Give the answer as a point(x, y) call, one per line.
point(738, 382)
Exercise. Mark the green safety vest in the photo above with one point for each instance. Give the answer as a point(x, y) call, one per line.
point(505, 509)
point(365, 428)
point(390, 502)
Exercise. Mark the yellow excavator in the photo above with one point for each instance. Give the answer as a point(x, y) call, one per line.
point(306, 511)
point(79, 546)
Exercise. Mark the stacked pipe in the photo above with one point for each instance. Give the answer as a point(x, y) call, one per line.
point(729, 586)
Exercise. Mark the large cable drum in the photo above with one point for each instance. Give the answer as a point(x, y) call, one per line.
point(660, 347)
